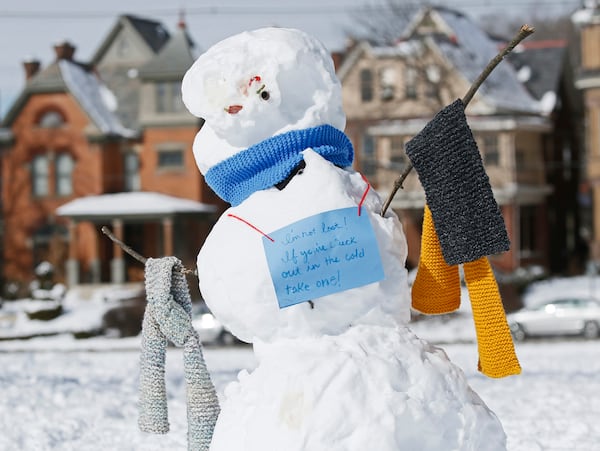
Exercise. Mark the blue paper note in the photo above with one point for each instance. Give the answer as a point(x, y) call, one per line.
point(323, 254)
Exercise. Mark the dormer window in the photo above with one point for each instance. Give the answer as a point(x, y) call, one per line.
point(51, 119)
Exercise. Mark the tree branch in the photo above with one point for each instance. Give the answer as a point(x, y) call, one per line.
point(525, 31)
point(133, 253)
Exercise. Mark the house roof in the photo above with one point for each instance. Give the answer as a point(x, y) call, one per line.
point(154, 34)
point(173, 60)
point(131, 205)
point(95, 99)
point(539, 66)
point(467, 48)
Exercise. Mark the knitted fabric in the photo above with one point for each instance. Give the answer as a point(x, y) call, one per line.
point(267, 163)
point(467, 218)
point(168, 318)
point(437, 290)
point(497, 356)
point(434, 290)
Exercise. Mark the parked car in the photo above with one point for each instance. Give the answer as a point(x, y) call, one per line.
point(572, 316)
point(210, 328)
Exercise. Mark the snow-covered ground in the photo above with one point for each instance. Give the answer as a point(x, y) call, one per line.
point(58, 393)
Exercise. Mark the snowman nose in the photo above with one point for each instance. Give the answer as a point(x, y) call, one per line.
point(234, 109)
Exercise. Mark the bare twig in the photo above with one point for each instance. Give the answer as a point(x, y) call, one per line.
point(525, 31)
point(133, 253)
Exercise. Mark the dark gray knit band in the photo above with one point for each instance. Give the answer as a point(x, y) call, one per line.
point(466, 216)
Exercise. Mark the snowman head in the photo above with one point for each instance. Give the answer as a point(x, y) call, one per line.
point(261, 83)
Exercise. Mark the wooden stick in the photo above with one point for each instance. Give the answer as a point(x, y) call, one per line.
point(525, 31)
point(133, 253)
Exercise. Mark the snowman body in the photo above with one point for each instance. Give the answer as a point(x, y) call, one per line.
point(343, 371)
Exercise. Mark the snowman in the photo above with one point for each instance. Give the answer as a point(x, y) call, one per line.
point(303, 267)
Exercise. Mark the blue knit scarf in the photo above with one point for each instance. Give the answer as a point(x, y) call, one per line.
point(270, 161)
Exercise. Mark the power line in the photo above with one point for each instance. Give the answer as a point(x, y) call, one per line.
point(257, 10)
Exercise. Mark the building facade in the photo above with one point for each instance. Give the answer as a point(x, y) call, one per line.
point(391, 92)
point(87, 131)
point(587, 81)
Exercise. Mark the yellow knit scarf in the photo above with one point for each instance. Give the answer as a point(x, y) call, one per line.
point(436, 290)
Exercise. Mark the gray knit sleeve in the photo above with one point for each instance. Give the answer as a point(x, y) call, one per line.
point(168, 318)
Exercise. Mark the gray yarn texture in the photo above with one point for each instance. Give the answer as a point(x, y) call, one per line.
point(168, 318)
point(465, 214)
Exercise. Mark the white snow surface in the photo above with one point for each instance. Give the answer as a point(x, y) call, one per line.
point(58, 393)
point(130, 203)
point(62, 394)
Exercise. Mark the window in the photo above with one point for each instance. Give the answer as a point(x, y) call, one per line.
point(387, 80)
point(40, 175)
point(64, 174)
point(432, 83)
point(168, 97)
point(366, 85)
point(131, 164)
point(491, 154)
point(369, 160)
point(527, 226)
point(170, 159)
point(51, 119)
point(410, 86)
point(398, 155)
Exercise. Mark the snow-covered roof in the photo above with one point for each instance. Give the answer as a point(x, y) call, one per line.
point(95, 98)
point(467, 48)
point(131, 204)
point(470, 50)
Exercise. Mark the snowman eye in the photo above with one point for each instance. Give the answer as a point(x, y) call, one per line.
point(263, 94)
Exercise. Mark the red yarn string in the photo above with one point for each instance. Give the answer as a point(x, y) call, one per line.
point(364, 196)
point(251, 226)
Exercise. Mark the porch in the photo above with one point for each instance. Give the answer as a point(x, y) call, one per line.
point(153, 224)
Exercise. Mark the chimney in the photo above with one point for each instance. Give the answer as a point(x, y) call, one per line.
point(32, 67)
point(64, 51)
point(338, 59)
point(181, 23)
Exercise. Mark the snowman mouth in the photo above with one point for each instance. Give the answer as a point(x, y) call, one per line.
point(234, 109)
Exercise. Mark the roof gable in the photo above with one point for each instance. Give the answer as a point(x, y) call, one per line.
point(131, 42)
point(173, 60)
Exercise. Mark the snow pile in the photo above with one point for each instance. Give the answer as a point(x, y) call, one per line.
point(80, 312)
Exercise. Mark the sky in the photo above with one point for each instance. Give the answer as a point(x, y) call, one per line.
point(29, 28)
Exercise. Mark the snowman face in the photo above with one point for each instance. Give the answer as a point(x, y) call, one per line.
point(258, 84)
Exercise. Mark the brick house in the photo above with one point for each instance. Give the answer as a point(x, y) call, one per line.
point(587, 81)
point(391, 92)
point(80, 133)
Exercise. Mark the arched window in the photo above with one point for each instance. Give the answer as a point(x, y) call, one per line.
point(64, 174)
point(51, 119)
point(40, 175)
